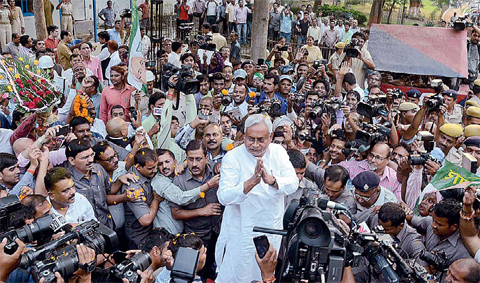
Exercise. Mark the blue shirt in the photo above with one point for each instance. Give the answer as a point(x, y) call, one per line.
point(284, 101)
point(115, 35)
point(286, 24)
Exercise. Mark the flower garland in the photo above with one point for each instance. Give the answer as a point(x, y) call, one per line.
point(81, 102)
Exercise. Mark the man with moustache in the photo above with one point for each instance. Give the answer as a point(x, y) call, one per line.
point(163, 185)
point(91, 180)
point(203, 216)
point(255, 178)
point(64, 199)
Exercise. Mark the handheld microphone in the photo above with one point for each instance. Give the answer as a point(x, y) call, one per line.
point(324, 203)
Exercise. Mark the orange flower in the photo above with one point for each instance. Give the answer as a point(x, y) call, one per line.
point(230, 146)
point(224, 91)
point(252, 94)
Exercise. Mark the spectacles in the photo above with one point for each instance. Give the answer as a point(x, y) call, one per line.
point(278, 142)
point(253, 140)
point(377, 157)
point(365, 199)
point(111, 159)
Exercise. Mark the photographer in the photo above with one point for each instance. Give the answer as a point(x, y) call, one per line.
point(362, 62)
point(156, 244)
point(347, 81)
point(473, 51)
point(305, 185)
point(407, 113)
point(468, 220)
point(441, 230)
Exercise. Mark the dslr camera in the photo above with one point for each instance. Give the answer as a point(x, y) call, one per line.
point(371, 109)
point(203, 42)
point(186, 83)
point(422, 157)
point(126, 13)
point(433, 103)
point(325, 106)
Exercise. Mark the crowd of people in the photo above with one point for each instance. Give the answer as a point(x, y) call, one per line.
point(217, 144)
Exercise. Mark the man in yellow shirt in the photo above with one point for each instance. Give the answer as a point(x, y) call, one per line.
point(63, 51)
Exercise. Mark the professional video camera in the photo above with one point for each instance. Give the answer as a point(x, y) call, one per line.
point(11, 213)
point(126, 13)
point(461, 23)
point(316, 243)
point(186, 81)
point(325, 106)
point(39, 230)
point(203, 42)
point(388, 265)
point(367, 136)
point(352, 49)
point(433, 103)
point(60, 256)
point(372, 108)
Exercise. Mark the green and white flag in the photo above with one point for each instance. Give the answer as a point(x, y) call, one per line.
point(449, 176)
point(136, 62)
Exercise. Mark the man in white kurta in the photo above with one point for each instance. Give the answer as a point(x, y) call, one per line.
point(255, 178)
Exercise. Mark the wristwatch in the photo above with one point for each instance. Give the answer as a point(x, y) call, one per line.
point(274, 182)
point(89, 267)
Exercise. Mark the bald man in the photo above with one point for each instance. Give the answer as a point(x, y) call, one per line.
point(20, 145)
point(465, 270)
point(117, 130)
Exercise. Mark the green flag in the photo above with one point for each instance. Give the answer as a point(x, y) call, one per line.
point(136, 62)
point(449, 176)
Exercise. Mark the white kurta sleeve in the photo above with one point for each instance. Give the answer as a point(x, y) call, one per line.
point(230, 189)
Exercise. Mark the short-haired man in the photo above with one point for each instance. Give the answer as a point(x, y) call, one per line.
point(90, 179)
point(203, 217)
point(463, 270)
point(163, 185)
point(63, 51)
point(139, 215)
point(239, 94)
point(64, 199)
point(157, 244)
point(35, 206)
point(335, 150)
point(391, 217)
point(254, 182)
point(347, 81)
point(441, 230)
point(52, 40)
point(306, 186)
point(10, 180)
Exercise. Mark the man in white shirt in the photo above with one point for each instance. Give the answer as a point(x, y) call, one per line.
point(255, 178)
point(174, 56)
point(315, 31)
point(64, 199)
point(340, 27)
point(146, 43)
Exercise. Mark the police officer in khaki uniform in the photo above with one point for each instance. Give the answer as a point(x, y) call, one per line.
point(5, 24)
point(67, 20)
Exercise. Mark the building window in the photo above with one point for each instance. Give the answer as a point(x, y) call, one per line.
point(26, 5)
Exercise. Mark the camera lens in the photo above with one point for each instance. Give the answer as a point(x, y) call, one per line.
point(312, 229)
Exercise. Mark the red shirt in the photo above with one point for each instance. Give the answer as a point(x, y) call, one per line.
point(110, 97)
point(145, 10)
point(183, 15)
point(52, 44)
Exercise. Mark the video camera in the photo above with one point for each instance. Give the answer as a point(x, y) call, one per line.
point(126, 13)
point(351, 49)
point(325, 106)
point(60, 256)
point(185, 265)
point(203, 42)
point(186, 81)
point(436, 259)
point(366, 137)
point(388, 265)
point(40, 230)
point(461, 23)
point(372, 108)
point(422, 157)
point(316, 244)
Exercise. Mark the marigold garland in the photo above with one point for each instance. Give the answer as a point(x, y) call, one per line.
point(78, 103)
